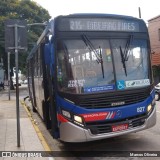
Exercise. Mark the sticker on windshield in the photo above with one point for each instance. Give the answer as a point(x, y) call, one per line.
point(121, 84)
point(99, 88)
point(108, 55)
point(76, 83)
point(137, 83)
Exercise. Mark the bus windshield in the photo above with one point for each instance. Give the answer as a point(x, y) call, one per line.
point(98, 65)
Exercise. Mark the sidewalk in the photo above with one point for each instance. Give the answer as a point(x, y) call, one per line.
point(29, 140)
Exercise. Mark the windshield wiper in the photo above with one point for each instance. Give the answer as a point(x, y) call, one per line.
point(101, 61)
point(123, 60)
point(92, 49)
point(128, 47)
point(125, 54)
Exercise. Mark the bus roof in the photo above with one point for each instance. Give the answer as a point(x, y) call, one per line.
point(99, 22)
point(50, 27)
point(98, 15)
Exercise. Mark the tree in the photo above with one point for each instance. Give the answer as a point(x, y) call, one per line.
point(24, 10)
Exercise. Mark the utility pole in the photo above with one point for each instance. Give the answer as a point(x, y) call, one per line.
point(9, 95)
point(16, 39)
point(139, 10)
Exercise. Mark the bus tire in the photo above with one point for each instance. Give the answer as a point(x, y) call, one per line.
point(54, 123)
point(46, 114)
point(34, 109)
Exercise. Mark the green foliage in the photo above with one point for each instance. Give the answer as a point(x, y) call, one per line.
point(24, 10)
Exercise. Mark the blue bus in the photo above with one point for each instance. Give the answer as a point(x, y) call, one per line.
point(90, 77)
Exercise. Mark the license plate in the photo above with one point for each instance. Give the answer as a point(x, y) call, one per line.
point(119, 127)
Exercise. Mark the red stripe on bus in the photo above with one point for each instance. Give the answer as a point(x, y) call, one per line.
point(113, 115)
point(95, 116)
point(61, 118)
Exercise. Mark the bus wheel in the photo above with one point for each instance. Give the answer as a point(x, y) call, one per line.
point(46, 114)
point(54, 123)
point(34, 109)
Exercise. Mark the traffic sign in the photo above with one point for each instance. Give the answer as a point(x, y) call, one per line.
point(10, 26)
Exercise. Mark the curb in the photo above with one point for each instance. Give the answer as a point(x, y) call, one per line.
point(39, 133)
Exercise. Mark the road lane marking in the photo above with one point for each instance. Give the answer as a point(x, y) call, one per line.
point(39, 133)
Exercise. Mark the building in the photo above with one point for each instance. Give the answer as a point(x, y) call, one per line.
point(154, 33)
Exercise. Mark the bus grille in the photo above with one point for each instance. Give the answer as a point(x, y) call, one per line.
point(106, 127)
point(106, 100)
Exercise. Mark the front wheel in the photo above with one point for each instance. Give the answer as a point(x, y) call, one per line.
point(157, 96)
point(46, 114)
point(34, 109)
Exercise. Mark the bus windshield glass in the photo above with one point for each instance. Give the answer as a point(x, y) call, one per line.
point(97, 65)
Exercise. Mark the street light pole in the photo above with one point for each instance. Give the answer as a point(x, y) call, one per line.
point(12, 26)
point(139, 10)
point(9, 95)
point(17, 86)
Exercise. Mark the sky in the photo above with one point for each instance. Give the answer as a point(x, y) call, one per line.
point(149, 8)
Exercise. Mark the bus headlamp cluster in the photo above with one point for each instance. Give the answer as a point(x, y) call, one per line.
point(66, 114)
point(74, 118)
point(78, 119)
point(150, 106)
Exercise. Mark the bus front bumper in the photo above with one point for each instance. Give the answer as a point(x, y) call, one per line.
point(70, 132)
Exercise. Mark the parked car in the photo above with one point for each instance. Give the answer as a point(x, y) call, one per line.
point(157, 92)
point(25, 81)
point(19, 82)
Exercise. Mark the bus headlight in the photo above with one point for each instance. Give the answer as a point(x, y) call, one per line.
point(66, 114)
point(73, 118)
point(78, 119)
point(149, 108)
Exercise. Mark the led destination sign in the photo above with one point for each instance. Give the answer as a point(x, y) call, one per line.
point(103, 24)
